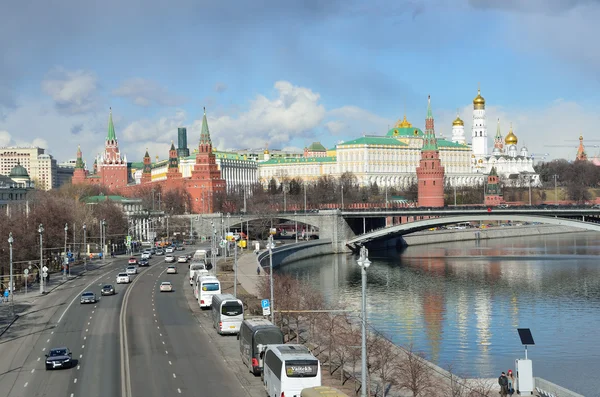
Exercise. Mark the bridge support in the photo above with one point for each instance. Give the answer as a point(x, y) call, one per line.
point(332, 225)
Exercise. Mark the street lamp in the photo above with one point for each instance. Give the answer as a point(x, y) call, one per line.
point(296, 225)
point(364, 263)
point(271, 274)
point(342, 197)
point(41, 269)
point(84, 246)
point(555, 189)
point(103, 238)
point(11, 284)
point(66, 261)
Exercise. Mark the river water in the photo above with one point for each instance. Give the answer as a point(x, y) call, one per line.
point(461, 303)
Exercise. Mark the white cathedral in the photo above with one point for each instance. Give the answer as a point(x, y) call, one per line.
point(511, 163)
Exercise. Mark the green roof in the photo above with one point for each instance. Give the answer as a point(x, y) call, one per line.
point(97, 199)
point(374, 140)
point(297, 160)
point(204, 133)
point(405, 132)
point(111, 128)
point(316, 147)
point(441, 142)
point(136, 165)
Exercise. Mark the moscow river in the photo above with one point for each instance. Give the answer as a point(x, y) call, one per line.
point(461, 303)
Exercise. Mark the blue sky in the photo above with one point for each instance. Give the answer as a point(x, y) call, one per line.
point(290, 73)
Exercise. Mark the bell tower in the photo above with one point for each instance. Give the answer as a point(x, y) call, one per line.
point(430, 173)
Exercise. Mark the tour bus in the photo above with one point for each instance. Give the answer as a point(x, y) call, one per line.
point(288, 369)
point(207, 287)
point(254, 332)
point(194, 267)
point(198, 275)
point(227, 313)
point(200, 255)
point(322, 391)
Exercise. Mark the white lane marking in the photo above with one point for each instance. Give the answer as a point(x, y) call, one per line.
point(33, 370)
point(163, 342)
point(39, 358)
point(44, 349)
point(154, 314)
point(93, 312)
point(81, 355)
point(155, 320)
point(95, 307)
point(86, 330)
point(52, 333)
point(174, 376)
point(90, 317)
point(166, 352)
point(157, 327)
point(72, 394)
point(48, 341)
point(79, 366)
point(170, 363)
point(179, 391)
point(75, 380)
point(85, 337)
point(83, 346)
point(26, 383)
point(79, 294)
point(88, 323)
point(160, 334)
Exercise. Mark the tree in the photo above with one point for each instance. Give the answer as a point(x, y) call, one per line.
point(385, 357)
point(177, 201)
point(414, 374)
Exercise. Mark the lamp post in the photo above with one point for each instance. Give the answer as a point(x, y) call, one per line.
point(84, 247)
point(103, 239)
point(271, 277)
point(235, 268)
point(305, 224)
point(555, 189)
point(529, 177)
point(66, 260)
point(215, 250)
point(296, 225)
point(40, 270)
point(364, 263)
point(11, 284)
point(342, 197)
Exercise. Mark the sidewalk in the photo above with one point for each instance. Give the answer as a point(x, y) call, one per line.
point(247, 277)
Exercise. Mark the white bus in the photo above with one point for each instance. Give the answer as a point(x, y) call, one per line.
point(193, 268)
point(227, 313)
point(198, 275)
point(207, 287)
point(287, 369)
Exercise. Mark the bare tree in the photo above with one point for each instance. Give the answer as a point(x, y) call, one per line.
point(414, 374)
point(385, 358)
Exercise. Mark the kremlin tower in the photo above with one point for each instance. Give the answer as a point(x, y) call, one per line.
point(112, 167)
point(493, 195)
point(479, 142)
point(581, 155)
point(79, 172)
point(147, 171)
point(498, 144)
point(430, 173)
point(458, 130)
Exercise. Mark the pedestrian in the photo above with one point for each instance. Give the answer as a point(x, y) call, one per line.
point(6, 293)
point(258, 270)
point(503, 382)
point(37, 277)
point(47, 278)
point(511, 382)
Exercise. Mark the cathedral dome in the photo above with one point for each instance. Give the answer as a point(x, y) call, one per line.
point(458, 122)
point(19, 171)
point(511, 138)
point(479, 101)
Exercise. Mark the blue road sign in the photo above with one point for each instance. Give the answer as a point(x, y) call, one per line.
point(265, 303)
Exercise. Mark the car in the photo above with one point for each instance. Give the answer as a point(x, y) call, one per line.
point(171, 270)
point(146, 255)
point(180, 248)
point(166, 286)
point(153, 251)
point(160, 252)
point(123, 278)
point(132, 261)
point(59, 357)
point(170, 250)
point(169, 258)
point(131, 270)
point(108, 289)
point(88, 297)
point(182, 259)
point(144, 262)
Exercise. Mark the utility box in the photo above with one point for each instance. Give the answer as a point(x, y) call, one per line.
point(524, 377)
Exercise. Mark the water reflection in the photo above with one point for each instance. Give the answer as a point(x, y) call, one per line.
point(461, 303)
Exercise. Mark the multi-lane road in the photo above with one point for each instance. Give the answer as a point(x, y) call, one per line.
point(165, 352)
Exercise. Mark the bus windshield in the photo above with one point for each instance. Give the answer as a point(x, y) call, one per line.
point(210, 287)
point(270, 336)
point(301, 368)
point(231, 309)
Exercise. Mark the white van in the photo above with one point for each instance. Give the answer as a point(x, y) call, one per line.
point(198, 275)
point(194, 267)
point(287, 369)
point(207, 287)
point(200, 255)
point(227, 313)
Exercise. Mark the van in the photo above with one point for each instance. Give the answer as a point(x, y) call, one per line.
point(207, 287)
point(289, 369)
point(194, 267)
point(227, 313)
point(254, 332)
point(322, 391)
point(198, 274)
point(200, 255)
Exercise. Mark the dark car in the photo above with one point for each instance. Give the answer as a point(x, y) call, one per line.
point(59, 358)
point(144, 262)
point(88, 297)
point(108, 289)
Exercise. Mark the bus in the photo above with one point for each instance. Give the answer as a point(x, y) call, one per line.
point(207, 286)
point(227, 313)
point(194, 267)
point(197, 276)
point(255, 332)
point(322, 391)
point(288, 369)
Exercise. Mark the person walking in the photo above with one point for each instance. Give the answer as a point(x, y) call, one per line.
point(511, 382)
point(503, 382)
point(6, 293)
point(258, 270)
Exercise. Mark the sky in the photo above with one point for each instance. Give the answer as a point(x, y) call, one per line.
point(284, 74)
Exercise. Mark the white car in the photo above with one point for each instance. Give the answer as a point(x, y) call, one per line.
point(182, 259)
point(146, 255)
point(169, 250)
point(171, 270)
point(131, 270)
point(169, 259)
point(123, 278)
point(166, 286)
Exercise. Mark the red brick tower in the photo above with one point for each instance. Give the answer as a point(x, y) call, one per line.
point(112, 167)
point(147, 172)
point(493, 195)
point(79, 173)
point(430, 173)
point(173, 170)
point(206, 179)
point(581, 155)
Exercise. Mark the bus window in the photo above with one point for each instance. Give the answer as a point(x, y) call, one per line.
point(231, 309)
point(210, 287)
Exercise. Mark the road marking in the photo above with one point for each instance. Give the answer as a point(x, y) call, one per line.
point(86, 330)
point(154, 314)
point(174, 376)
point(77, 296)
point(83, 346)
point(39, 358)
point(166, 352)
point(81, 355)
point(48, 341)
point(85, 337)
point(52, 333)
point(179, 391)
point(44, 349)
point(170, 363)
point(155, 320)
point(90, 317)
point(79, 366)
point(160, 334)
point(75, 380)
point(163, 342)
point(72, 394)
point(157, 327)
point(33, 370)
point(93, 312)
point(26, 383)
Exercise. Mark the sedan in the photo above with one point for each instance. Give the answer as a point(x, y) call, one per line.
point(108, 289)
point(59, 358)
point(169, 259)
point(88, 297)
point(123, 278)
point(180, 248)
point(160, 252)
point(166, 286)
point(144, 262)
point(132, 261)
point(131, 270)
point(182, 259)
point(171, 270)
point(169, 250)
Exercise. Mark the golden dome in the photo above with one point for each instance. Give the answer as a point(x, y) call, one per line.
point(266, 151)
point(458, 121)
point(511, 138)
point(403, 124)
point(479, 102)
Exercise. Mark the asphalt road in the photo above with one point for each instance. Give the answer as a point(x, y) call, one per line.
point(170, 354)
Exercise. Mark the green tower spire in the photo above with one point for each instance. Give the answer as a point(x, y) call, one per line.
point(498, 134)
point(429, 140)
point(111, 128)
point(205, 134)
point(79, 162)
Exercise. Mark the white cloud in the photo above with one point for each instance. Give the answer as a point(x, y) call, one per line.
point(73, 92)
point(354, 121)
point(5, 138)
point(145, 93)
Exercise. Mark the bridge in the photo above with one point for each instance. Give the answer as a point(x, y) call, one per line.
point(352, 228)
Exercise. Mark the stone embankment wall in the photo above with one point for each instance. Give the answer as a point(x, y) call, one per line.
point(446, 236)
point(295, 252)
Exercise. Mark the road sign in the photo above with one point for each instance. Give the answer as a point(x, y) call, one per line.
point(266, 306)
point(128, 239)
point(26, 272)
point(45, 269)
point(45, 274)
